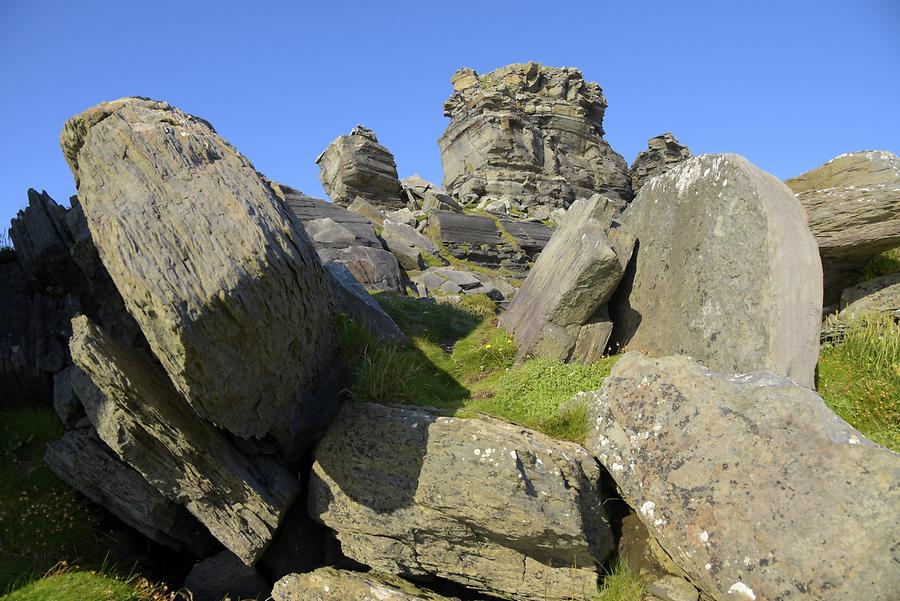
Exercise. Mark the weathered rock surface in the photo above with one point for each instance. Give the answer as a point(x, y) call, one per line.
point(407, 244)
point(879, 295)
point(663, 153)
point(422, 195)
point(720, 244)
point(530, 236)
point(563, 300)
point(495, 507)
point(671, 588)
point(358, 166)
point(84, 462)
point(374, 268)
point(530, 134)
point(443, 281)
point(853, 204)
point(367, 210)
point(752, 485)
point(356, 303)
point(477, 239)
point(225, 576)
point(42, 241)
point(224, 283)
point(329, 584)
point(139, 414)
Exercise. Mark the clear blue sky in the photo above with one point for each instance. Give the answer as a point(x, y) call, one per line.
point(788, 84)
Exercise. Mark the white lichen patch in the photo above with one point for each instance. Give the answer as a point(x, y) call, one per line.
point(648, 508)
point(742, 589)
point(617, 467)
point(703, 536)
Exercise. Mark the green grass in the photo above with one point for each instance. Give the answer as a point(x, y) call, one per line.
point(883, 264)
point(460, 362)
point(65, 584)
point(620, 584)
point(41, 519)
point(859, 376)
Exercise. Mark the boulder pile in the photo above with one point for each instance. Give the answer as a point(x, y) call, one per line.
point(188, 320)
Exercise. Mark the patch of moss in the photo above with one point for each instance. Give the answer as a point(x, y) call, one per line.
point(886, 263)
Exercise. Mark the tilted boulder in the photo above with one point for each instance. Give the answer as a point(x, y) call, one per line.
point(725, 270)
point(367, 210)
point(356, 303)
point(751, 484)
point(330, 584)
point(663, 153)
point(358, 166)
point(878, 295)
point(853, 204)
point(530, 134)
point(84, 462)
point(138, 413)
point(492, 506)
point(219, 275)
point(561, 307)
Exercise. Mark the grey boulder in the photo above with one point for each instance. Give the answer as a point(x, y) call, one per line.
point(358, 166)
point(751, 484)
point(330, 584)
point(219, 275)
point(497, 508)
point(356, 303)
point(853, 203)
point(725, 270)
point(663, 153)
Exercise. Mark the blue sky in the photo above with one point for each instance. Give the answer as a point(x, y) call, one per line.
point(788, 84)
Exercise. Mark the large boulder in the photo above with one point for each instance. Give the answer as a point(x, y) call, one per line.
point(725, 270)
point(218, 273)
point(492, 506)
point(84, 462)
point(355, 302)
point(663, 153)
point(751, 484)
point(330, 584)
point(358, 166)
point(562, 303)
point(137, 412)
point(853, 204)
point(529, 134)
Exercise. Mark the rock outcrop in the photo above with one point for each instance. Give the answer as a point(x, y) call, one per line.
point(357, 166)
point(329, 584)
point(663, 153)
point(219, 275)
point(422, 195)
point(137, 412)
point(560, 311)
point(492, 506)
point(530, 134)
point(478, 239)
point(853, 204)
point(752, 485)
point(725, 270)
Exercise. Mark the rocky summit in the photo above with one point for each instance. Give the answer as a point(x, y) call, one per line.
point(553, 378)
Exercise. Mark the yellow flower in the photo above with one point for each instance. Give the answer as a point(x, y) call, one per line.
point(487, 346)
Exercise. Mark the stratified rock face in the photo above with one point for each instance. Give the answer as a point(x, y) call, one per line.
point(570, 282)
point(222, 280)
point(84, 462)
point(42, 242)
point(138, 413)
point(663, 153)
point(529, 134)
point(329, 584)
point(752, 485)
point(478, 239)
point(853, 203)
point(358, 166)
point(879, 295)
point(726, 270)
point(495, 507)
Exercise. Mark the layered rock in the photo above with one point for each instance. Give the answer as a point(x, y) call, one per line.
point(561, 307)
point(219, 275)
point(407, 244)
point(530, 134)
point(84, 462)
point(853, 204)
point(492, 506)
point(751, 484)
point(137, 412)
point(329, 584)
point(478, 239)
point(447, 281)
point(663, 153)
point(357, 166)
point(878, 295)
point(719, 242)
point(422, 195)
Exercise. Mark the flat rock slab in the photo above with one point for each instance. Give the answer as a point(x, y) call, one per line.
point(751, 484)
point(495, 507)
point(853, 204)
point(531, 236)
point(878, 295)
point(330, 584)
point(456, 228)
point(139, 414)
point(219, 275)
point(719, 242)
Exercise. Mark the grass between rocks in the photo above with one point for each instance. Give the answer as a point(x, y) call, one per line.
point(621, 584)
point(460, 362)
point(883, 264)
point(859, 376)
point(65, 584)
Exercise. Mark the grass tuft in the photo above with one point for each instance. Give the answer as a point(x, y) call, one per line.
point(859, 375)
point(886, 263)
point(621, 584)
